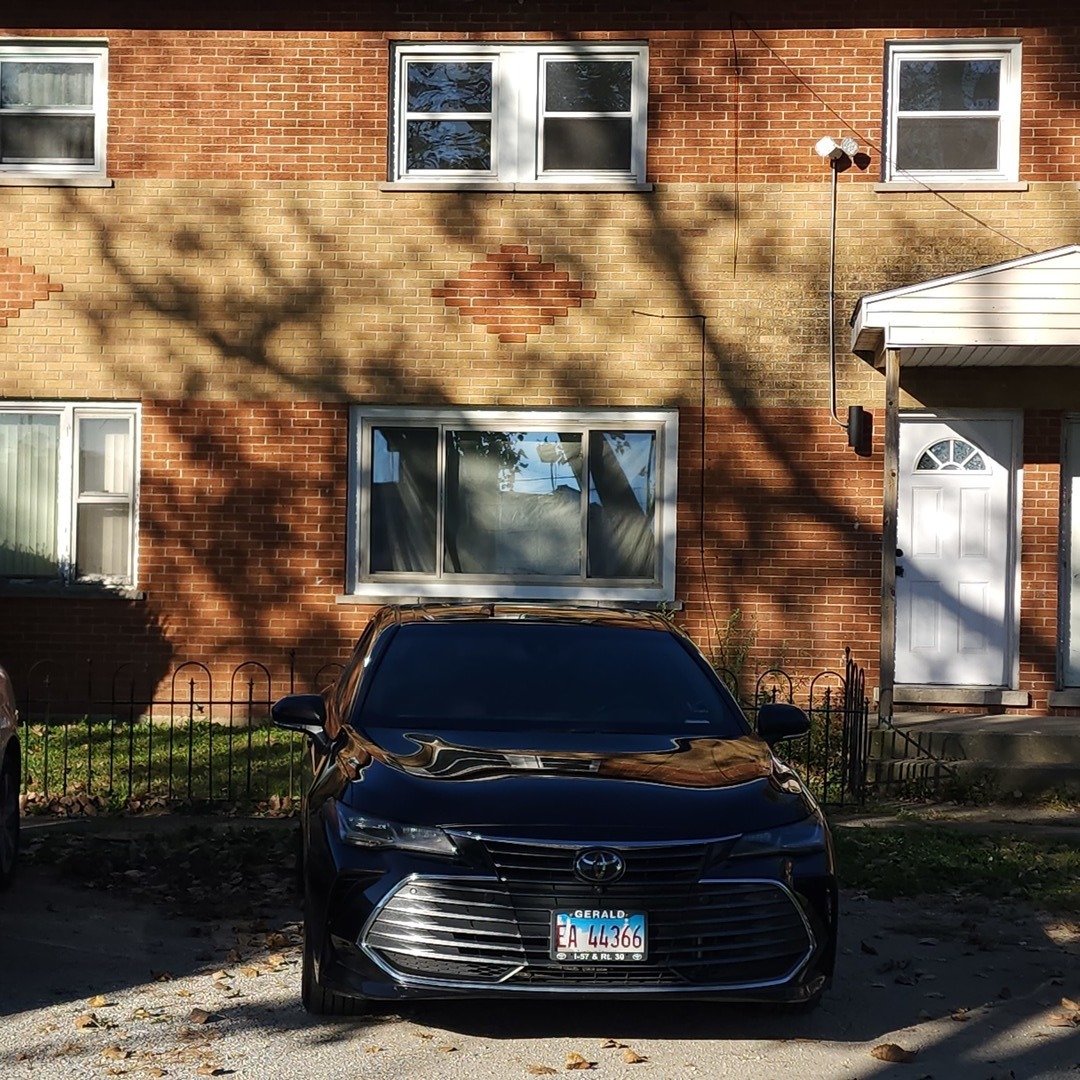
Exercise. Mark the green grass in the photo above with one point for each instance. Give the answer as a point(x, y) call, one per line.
point(907, 860)
point(186, 760)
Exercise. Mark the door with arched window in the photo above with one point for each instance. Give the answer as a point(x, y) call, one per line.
point(956, 551)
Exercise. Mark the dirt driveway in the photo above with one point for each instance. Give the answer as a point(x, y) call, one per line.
point(166, 973)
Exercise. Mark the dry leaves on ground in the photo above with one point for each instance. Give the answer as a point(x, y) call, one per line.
point(576, 1061)
point(894, 1054)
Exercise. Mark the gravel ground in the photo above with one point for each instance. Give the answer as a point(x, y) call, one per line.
point(183, 961)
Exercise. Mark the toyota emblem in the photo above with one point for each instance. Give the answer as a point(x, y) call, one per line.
point(598, 866)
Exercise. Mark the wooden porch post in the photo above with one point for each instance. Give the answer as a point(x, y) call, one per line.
point(890, 492)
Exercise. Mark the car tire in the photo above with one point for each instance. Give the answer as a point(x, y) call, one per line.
point(9, 823)
point(316, 998)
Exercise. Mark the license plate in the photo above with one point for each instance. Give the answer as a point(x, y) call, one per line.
point(599, 935)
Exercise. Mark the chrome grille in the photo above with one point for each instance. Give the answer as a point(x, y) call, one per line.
point(660, 864)
point(466, 931)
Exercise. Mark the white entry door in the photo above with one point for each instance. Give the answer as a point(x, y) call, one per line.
point(955, 551)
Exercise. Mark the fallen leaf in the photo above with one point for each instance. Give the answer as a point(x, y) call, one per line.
point(210, 1070)
point(1061, 1020)
point(373, 1049)
point(611, 1044)
point(98, 1001)
point(960, 1015)
point(220, 976)
point(250, 972)
point(87, 1020)
point(447, 1049)
point(202, 1016)
point(155, 1072)
point(576, 1061)
point(631, 1057)
point(542, 1070)
point(115, 1053)
point(1068, 1003)
point(161, 976)
point(894, 1054)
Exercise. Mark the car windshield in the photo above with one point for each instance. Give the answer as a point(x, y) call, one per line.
point(594, 678)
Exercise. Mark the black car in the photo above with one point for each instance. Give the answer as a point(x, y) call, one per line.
point(10, 776)
point(520, 800)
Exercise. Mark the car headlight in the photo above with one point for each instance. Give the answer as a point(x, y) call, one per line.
point(365, 830)
point(801, 838)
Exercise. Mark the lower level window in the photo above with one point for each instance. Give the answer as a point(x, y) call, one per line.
point(67, 492)
point(513, 504)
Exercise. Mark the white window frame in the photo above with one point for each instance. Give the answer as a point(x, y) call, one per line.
point(70, 415)
point(516, 112)
point(94, 53)
point(404, 586)
point(1008, 52)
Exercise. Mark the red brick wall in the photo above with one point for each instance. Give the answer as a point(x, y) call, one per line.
point(744, 100)
point(246, 277)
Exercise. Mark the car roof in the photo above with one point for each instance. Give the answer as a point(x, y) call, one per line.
point(522, 611)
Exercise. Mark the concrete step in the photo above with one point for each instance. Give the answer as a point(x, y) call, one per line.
point(1020, 747)
point(1000, 755)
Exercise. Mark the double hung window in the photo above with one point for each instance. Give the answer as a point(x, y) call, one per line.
point(953, 111)
point(68, 492)
point(513, 504)
point(520, 113)
point(52, 109)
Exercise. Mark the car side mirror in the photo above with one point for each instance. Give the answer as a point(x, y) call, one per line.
point(778, 720)
point(303, 713)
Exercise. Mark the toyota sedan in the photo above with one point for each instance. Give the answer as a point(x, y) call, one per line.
point(514, 800)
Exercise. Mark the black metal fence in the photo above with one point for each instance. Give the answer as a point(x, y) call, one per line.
point(833, 755)
point(191, 738)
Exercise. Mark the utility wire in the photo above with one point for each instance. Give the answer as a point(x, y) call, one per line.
point(701, 480)
point(849, 126)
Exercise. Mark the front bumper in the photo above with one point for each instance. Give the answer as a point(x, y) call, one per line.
point(439, 931)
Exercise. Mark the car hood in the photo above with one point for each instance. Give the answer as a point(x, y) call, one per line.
point(668, 785)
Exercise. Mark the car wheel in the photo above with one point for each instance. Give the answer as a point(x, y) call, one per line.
point(316, 998)
point(9, 824)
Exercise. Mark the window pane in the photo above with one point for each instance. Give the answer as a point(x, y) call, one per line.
point(105, 465)
point(404, 500)
point(449, 87)
point(513, 503)
point(29, 447)
point(448, 144)
point(592, 143)
point(622, 504)
point(947, 143)
point(67, 139)
point(588, 86)
point(103, 548)
point(950, 85)
point(32, 84)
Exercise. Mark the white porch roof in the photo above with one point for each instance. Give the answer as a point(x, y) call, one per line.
point(1023, 313)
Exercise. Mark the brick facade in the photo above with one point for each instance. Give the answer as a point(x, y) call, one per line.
point(248, 275)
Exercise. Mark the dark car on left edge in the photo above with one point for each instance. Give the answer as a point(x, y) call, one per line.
point(10, 774)
point(516, 800)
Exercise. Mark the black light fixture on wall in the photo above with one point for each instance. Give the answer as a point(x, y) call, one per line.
point(860, 423)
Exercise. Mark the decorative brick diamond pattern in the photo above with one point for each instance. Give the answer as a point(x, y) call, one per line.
point(513, 294)
point(21, 286)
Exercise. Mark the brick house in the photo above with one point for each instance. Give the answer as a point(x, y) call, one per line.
point(305, 310)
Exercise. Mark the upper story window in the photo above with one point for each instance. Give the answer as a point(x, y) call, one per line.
point(518, 113)
point(953, 111)
point(52, 109)
point(68, 481)
point(487, 504)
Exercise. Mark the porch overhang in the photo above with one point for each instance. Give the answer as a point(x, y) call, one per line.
point(1023, 313)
